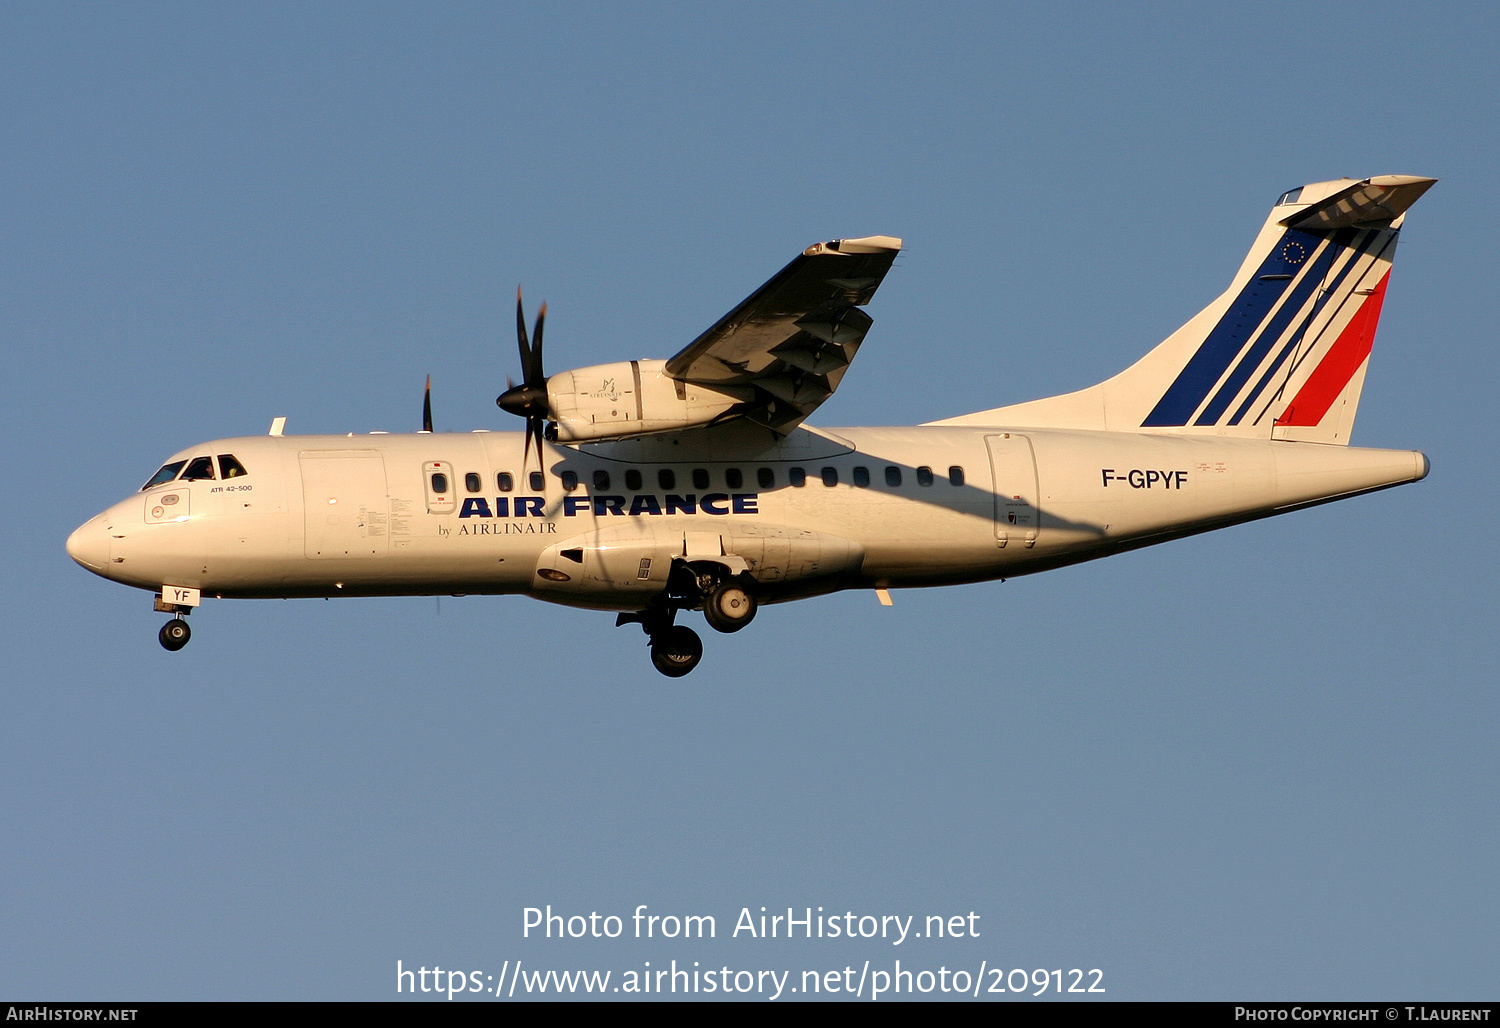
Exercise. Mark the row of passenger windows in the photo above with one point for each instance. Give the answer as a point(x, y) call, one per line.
point(198, 468)
point(666, 479)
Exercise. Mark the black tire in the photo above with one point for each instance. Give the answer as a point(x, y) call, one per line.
point(676, 651)
point(729, 606)
point(174, 635)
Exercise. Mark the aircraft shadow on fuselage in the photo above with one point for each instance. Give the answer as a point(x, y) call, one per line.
point(970, 498)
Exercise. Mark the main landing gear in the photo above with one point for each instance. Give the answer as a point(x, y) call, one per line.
point(675, 649)
point(728, 604)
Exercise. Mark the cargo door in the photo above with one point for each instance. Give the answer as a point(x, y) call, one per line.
point(345, 509)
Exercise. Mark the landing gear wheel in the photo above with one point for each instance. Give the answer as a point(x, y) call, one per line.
point(676, 651)
point(729, 606)
point(174, 635)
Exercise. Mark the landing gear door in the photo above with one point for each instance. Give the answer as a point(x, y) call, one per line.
point(1017, 517)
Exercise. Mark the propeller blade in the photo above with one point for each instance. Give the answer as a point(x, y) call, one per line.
point(533, 428)
point(534, 374)
point(521, 337)
point(427, 406)
point(529, 399)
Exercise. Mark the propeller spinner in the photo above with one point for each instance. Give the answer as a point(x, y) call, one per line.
point(529, 399)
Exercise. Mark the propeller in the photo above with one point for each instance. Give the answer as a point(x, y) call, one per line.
point(529, 399)
point(427, 406)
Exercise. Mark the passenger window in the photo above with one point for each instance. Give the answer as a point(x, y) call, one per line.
point(229, 467)
point(797, 477)
point(666, 478)
point(504, 482)
point(830, 477)
point(700, 478)
point(166, 474)
point(956, 475)
point(893, 477)
point(601, 479)
point(862, 477)
point(439, 482)
point(924, 475)
point(201, 467)
point(632, 479)
point(733, 479)
point(570, 480)
point(538, 482)
point(472, 483)
point(766, 477)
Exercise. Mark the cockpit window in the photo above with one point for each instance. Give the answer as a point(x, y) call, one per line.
point(229, 467)
point(201, 467)
point(166, 474)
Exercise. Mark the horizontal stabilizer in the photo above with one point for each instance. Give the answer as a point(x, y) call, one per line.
point(1371, 203)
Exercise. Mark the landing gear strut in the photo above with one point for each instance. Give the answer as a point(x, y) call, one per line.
point(174, 635)
point(675, 649)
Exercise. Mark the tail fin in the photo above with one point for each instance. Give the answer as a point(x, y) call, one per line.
point(1282, 353)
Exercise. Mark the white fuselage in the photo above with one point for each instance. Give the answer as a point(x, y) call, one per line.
point(877, 508)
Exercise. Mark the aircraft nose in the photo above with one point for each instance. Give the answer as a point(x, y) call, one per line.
point(89, 544)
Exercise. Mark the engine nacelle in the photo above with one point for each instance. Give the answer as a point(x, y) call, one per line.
point(626, 399)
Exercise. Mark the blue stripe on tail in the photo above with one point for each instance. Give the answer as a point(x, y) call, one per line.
point(1291, 344)
point(1314, 277)
point(1229, 336)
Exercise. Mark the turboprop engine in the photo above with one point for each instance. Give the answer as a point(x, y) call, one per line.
point(630, 398)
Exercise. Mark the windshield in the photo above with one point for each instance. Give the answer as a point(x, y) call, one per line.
point(166, 474)
point(202, 467)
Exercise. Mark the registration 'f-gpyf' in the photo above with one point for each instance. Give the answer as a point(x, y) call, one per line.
point(652, 487)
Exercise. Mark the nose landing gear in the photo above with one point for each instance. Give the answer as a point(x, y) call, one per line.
point(174, 635)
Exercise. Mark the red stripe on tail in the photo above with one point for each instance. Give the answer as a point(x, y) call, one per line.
point(1339, 365)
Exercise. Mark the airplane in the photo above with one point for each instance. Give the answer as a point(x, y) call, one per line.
point(651, 487)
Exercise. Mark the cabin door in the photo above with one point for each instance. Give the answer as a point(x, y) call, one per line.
point(1017, 517)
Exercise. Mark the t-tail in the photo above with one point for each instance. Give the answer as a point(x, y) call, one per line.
point(1282, 354)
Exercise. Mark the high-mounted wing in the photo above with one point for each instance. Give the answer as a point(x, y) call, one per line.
point(785, 348)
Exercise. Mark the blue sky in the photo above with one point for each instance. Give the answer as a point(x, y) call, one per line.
point(1256, 764)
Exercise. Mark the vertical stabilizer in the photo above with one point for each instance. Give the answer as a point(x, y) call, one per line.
point(1282, 353)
